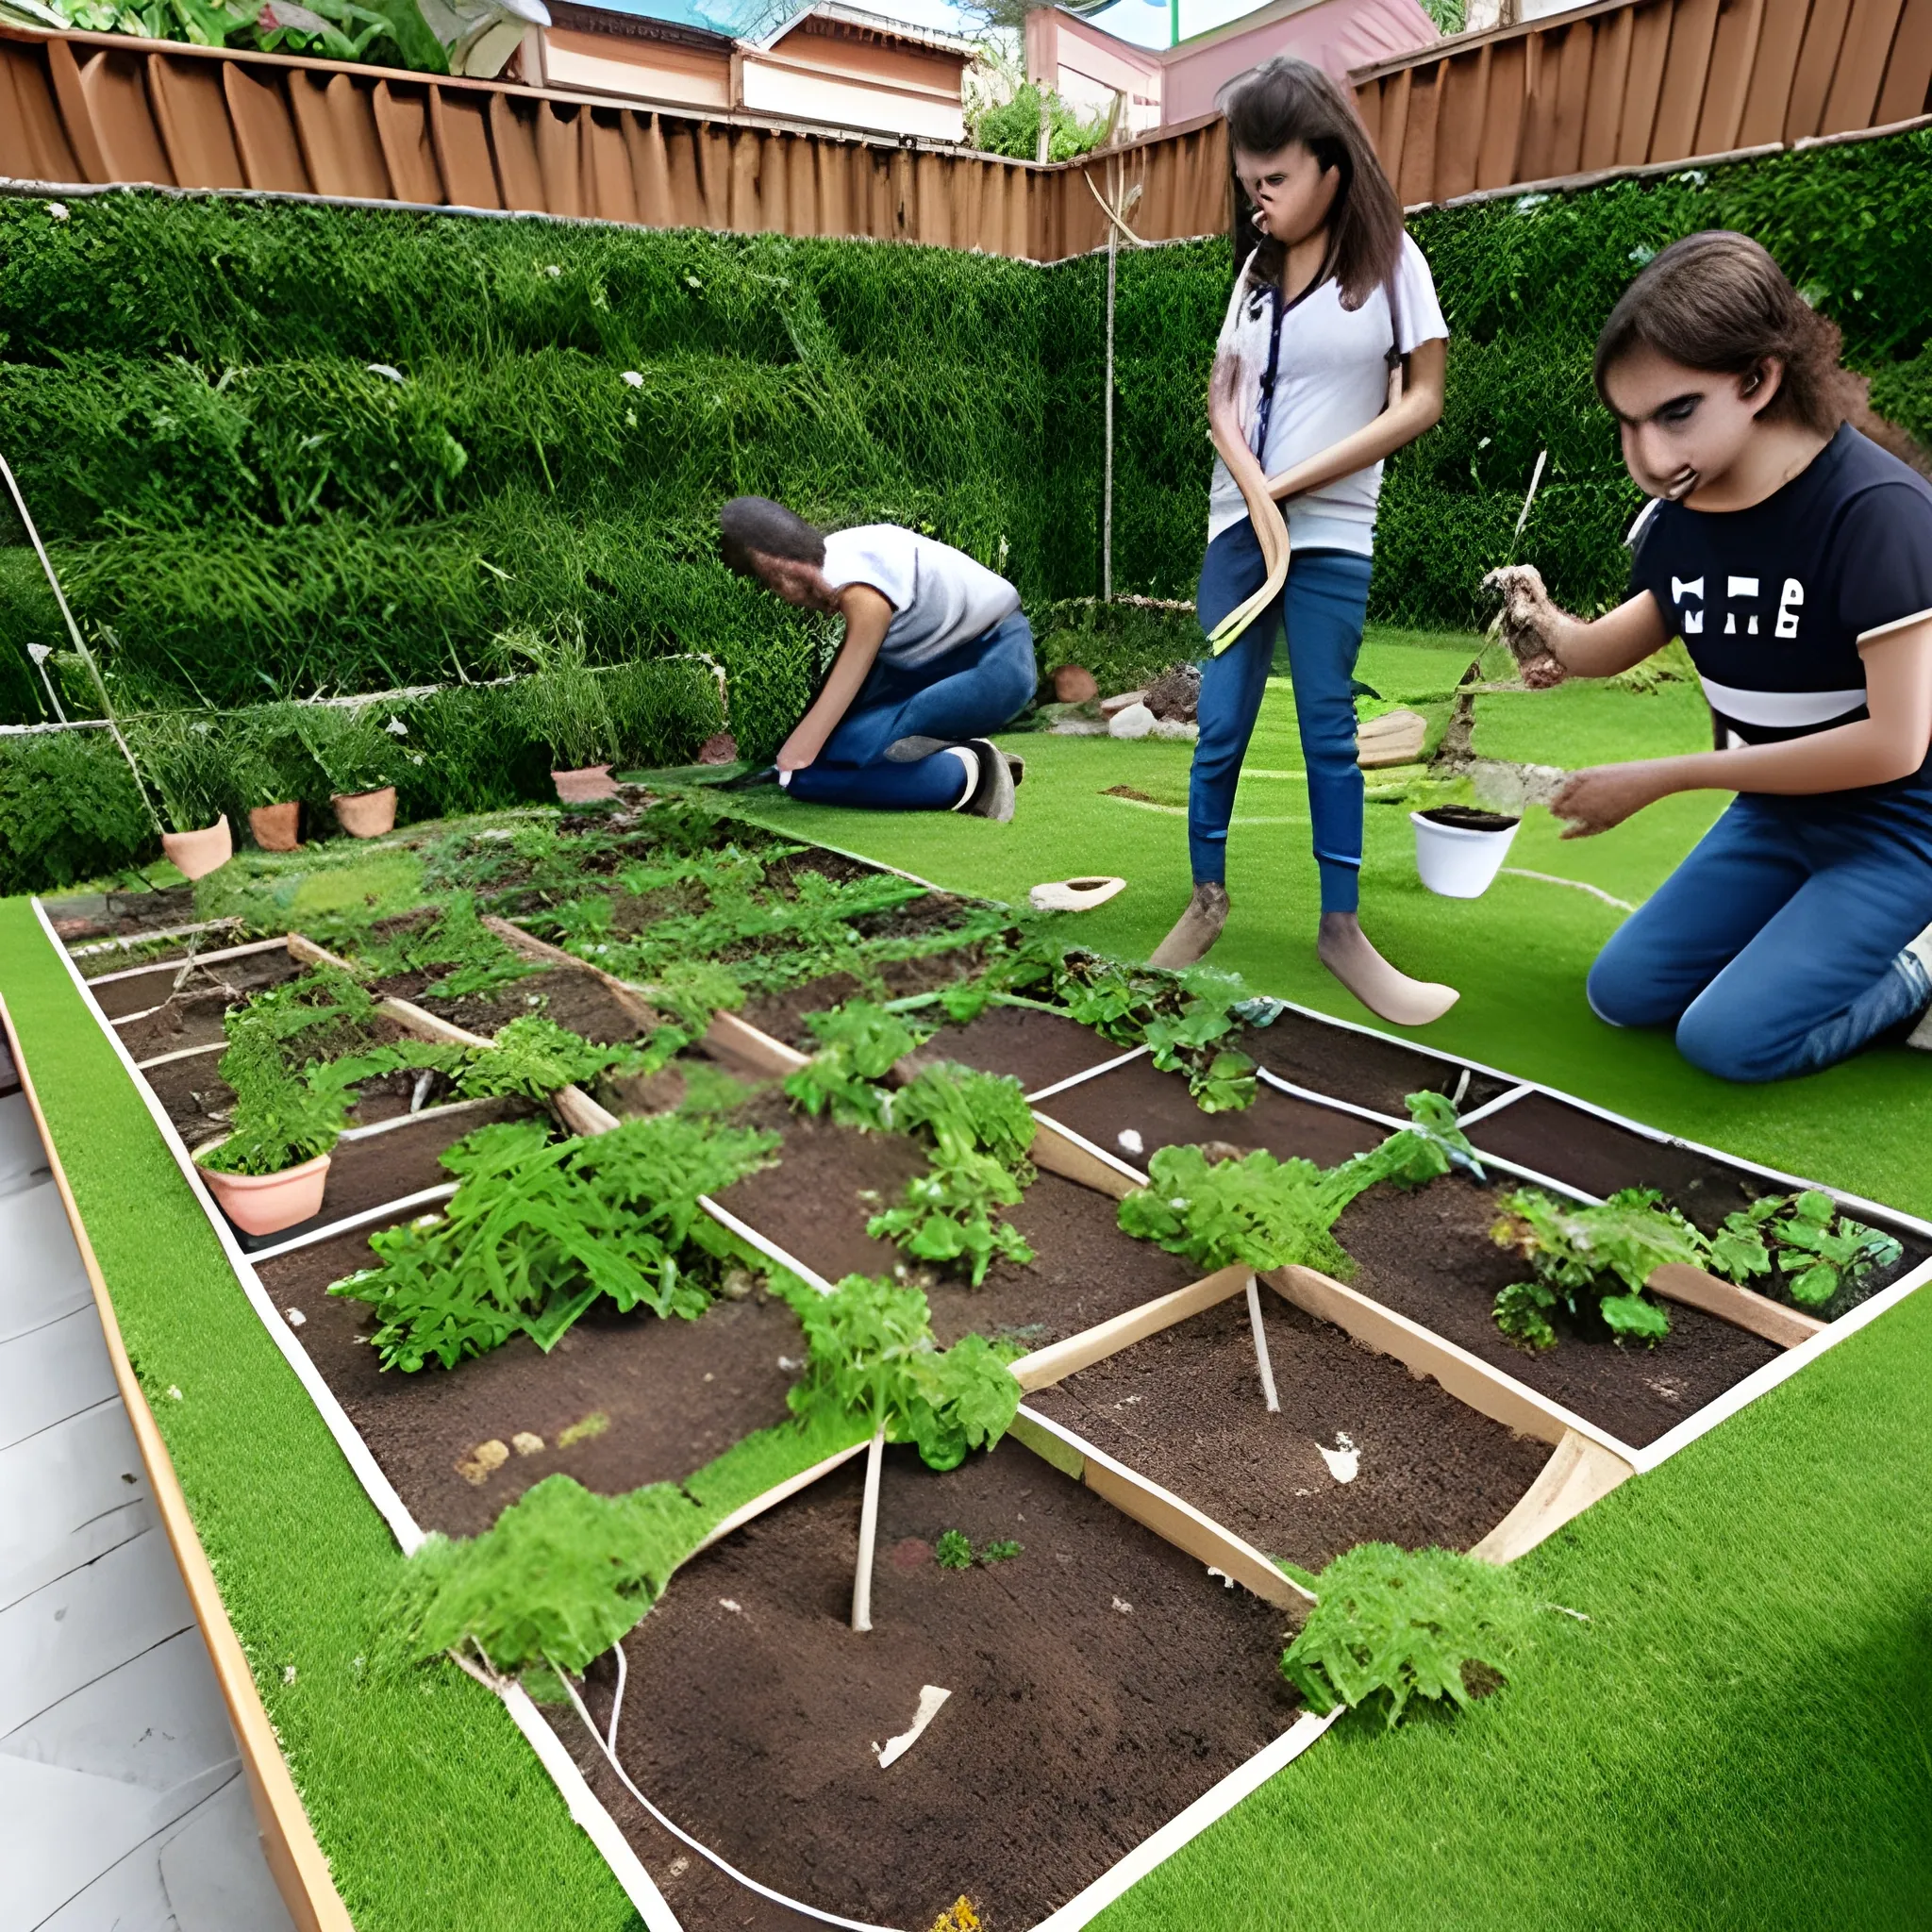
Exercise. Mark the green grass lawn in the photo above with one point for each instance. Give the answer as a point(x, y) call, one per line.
point(1736, 1730)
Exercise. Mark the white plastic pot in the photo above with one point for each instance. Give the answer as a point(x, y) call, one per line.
point(1459, 861)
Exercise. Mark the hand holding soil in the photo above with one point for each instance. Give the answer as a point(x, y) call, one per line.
point(1606, 795)
point(1528, 623)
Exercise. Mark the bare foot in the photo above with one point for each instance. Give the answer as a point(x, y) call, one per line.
point(1195, 932)
point(1345, 949)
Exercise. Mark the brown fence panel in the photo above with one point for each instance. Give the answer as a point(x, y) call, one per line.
point(33, 144)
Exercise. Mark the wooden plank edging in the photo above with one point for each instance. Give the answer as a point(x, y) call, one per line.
point(294, 1860)
point(1577, 1475)
point(1044, 1367)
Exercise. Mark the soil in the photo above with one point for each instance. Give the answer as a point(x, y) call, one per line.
point(1360, 1067)
point(235, 978)
point(1084, 1269)
point(1141, 1099)
point(1464, 818)
point(1100, 1682)
point(80, 917)
point(675, 1393)
point(1427, 1253)
point(578, 1000)
point(1185, 1408)
point(782, 1014)
point(1038, 1049)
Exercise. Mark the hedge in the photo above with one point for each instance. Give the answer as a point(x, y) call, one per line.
point(282, 450)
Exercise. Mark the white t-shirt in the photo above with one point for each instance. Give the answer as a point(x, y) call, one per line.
point(1332, 378)
point(941, 597)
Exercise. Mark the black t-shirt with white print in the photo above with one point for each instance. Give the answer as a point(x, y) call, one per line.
point(1771, 602)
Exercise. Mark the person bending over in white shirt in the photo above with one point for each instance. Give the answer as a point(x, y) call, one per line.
point(937, 656)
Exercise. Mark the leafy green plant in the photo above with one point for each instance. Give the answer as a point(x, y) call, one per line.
point(268, 763)
point(1804, 1245)
point(873, 1356)
point(538, 1229)
point(563, 701)
point(1001, 1550)
point(455, 937)
point(1257, 1212)
point(954, 1550)
point(1413, 1156)
point(1220, 1079)
point(353, 745)
point(981, 1130)
point(1014, 126)
point(1399, 1625)
point(69, 811)
point(859, 1045)
point(279, 1119)
point(181, 754)
point(1591, 1261)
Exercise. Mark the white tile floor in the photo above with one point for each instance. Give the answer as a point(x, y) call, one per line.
point(122, 1807)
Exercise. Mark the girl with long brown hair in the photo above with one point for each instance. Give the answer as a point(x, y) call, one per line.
point(1792, 553)
point(1331, 357)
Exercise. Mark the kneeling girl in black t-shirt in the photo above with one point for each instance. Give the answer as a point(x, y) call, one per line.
point(1793, 557)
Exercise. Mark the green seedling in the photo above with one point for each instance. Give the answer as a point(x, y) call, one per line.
point(954, 1550)
point(1802, 1244)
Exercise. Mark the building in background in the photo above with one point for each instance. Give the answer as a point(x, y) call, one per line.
point(1165, 87)
point(828, 64)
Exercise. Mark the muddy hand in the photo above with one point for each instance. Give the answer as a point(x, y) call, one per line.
point(1526, 622)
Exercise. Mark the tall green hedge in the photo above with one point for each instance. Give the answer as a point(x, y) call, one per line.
point(283, 450)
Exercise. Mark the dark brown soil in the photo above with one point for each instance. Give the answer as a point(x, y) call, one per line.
point(1185, 1408)
point(1038, 1049)
point(1463, 818)
point(578, 1000)
point(814, 1206)
point(1100, 1682)
point(675, 1393)
point(188, 1019)
point(1360, 1067)
point(1427, 1254)
point(235, 978)
point(1141, 1099)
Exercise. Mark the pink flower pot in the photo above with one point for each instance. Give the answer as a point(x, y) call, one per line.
point(197, 854)
point(267, 1203)
point(275, 826)
point(584, 785)
point(366, 814)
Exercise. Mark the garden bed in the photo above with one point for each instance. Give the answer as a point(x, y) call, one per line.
point(1428, 1255)
point(1361, 1068)
point(813, 1205)
point(641, 1400)
point(1037, 1049)
point(571, 996)
point(1185, 1408)
point(1100, 1682)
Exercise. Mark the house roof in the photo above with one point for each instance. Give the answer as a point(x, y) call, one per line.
point(677, 27)
point(868, 26)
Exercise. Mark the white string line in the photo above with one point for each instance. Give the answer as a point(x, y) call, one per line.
point(764, 1891)
point(1550, 878)
point(617, 1699)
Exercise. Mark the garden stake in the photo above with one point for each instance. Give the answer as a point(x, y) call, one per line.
point(87, 657)
point(1261, 1360)
point(868, 1532)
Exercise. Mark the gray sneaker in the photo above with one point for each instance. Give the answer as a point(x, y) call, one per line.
point(909, 751)
point(993, 796)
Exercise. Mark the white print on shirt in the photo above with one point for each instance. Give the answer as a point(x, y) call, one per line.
point(1790, 599)
point(1740, 587)
point(1680, 589)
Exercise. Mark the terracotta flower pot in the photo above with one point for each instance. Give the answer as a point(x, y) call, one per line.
point(366, 814)
point(275, 826)
point(585, 784)
point(267, 1203)
point(197, 854)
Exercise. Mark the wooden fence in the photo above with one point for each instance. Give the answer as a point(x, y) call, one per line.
point(95, 109)
point(1637, 82)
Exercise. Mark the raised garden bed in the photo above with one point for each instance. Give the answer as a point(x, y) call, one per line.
point(1407, 1462)
point(1100, 1682)
point(1364, 1068)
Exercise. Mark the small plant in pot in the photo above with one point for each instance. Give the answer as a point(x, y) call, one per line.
point(269, 1171)
point(268, 761)
point(183, 758)
point(567, 712)
point(359, 749)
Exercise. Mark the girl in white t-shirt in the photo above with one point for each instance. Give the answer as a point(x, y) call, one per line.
point(1331, 357)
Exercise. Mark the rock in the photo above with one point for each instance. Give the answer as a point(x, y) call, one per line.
point(1136, 721)
point(1175, 693)
point(1394, 739)
point(526, 1442)
point(1175, 728)
point(1119, 701)
point(482, 1462)
point(721, 748)
point(1072, 684)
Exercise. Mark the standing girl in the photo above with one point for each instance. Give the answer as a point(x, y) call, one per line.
point(1331, 357)
point(1793, 555)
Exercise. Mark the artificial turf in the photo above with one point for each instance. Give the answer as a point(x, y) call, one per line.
point(1738, 1736)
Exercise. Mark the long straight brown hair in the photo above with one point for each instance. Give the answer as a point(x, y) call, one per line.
point(1287, 100)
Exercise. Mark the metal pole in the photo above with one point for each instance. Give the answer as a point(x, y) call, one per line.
point(80, 642)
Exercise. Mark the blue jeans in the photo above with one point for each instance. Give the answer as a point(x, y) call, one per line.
point(970, 693)
point(1323, 604)
point(1776, 948)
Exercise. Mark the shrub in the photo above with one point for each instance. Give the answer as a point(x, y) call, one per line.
point(69, 811)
